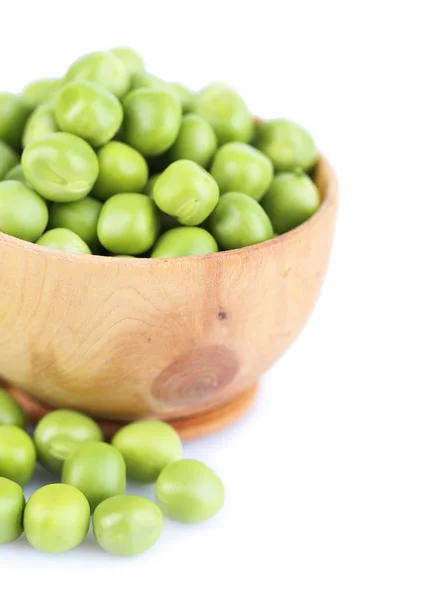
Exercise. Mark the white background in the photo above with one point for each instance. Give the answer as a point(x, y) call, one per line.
point(328, 479)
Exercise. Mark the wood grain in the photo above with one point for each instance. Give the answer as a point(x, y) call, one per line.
point(170, 338)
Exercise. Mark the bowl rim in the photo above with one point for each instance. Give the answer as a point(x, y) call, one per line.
point(330, 200)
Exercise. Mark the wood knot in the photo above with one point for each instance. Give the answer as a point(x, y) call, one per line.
point(196, 376)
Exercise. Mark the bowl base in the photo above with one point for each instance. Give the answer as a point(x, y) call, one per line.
point(188, 428)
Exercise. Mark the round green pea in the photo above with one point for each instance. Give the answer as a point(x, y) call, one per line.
point(291, 199)
point(15, 174)
point(149, 186)
point(127, 525)
point(186, 192)
point(239, 221)
point(239, 167)
point(23, 213)
point(184, 94)
point(13, 115)
point(17, 454)
point(148, 80)
point(89, 111)
point(64, 239)
point(189, 491)
point(196, 141)
point(152, 120)
point(184, 241)
point(122, 169)
point(128, 224)
point(147, 448)
point(12, 503)
point(80, 217)
point(41, 122)
point(226, 112)
point(42, 91)
point(97, 469)
point(61, 167)
point(131, 60)
point(56, 518)
point(59, 432)
point(11, 412)
point(102, 68)
point(287, 145)
point(8, 159)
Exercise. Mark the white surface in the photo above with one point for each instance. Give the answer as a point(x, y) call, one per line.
point(328, 480)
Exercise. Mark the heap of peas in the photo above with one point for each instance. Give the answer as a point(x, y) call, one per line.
point(56, 518)
point(112, 160)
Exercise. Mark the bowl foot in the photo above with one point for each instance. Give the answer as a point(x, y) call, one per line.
point(188, 428)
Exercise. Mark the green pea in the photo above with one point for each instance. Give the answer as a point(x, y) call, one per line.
point(81, 217)
point(239, 221)
point(12, 503)
point(41, 122)
point(61, 431)
point(291, 199)
point(15, 174)
point(147, 80)
point(239, 167)
point(8, 159)
point(128, 224)
point(184, 94)
point(287, 145)
point(42, 91)
point(61, 167)
point(102, 68)
point(11, 412)
point(226, 112)
point(64, 239)
point(97, 469)
point(17, 454)
point(131, 60)
point(186, 192)
point(127, 525)
point(89, 111)
point(23, 213)
point(56, 518)
point(13, 115)
point(149, 186)
point(189, 491)
point(184, 241)
point(152, 120)
point(122, 169)
point(147, 448)
point(196, 141)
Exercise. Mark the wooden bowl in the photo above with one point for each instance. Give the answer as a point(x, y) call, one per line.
point(174, 339)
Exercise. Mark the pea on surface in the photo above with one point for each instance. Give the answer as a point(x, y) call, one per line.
point(12, 503)
point(63, 239)
point(23, 213)
point(80, 217)
point(103, 68)
point(122, 169)
point(130, 59)
point(196, 141)
point(13, 115)
point(184, 241)
point(8, 159)
point(11, 412)
point(42, 91)
point(184, 94)
point(17, 454)
point(40, 123)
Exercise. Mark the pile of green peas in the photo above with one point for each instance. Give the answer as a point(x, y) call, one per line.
point(93, 476)
point(112, 160)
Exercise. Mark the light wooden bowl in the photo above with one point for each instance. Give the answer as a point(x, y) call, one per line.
point(182, 339)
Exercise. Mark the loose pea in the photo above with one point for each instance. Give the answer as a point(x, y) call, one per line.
point(12, 503)
point(226, 112)
point(80, 217)
point(292, 199)
point(23, 213)
point(127, 525)
point(17, 454)
point(131, 60)
point(186, 192)
point(56, 518)
point(147, 447)
point(189, 491)
point(149, 186)
point(196, 141)
point(8, 159)
point(13, 115)
point(184, 94)
point(128, 224)
point(97, 469)
point(239, 167)
point(64, 239)
point(122, 169)
point(61, 167)
point(42, 91)
point(184, 241)
point(148, 80)
point(11, 412)
point(89, 111)
point(152, 120)
point(287, 145)
point(102, 68)
point(239, 221)
point(41, 122)
point(60, 432)
point(15, 174)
